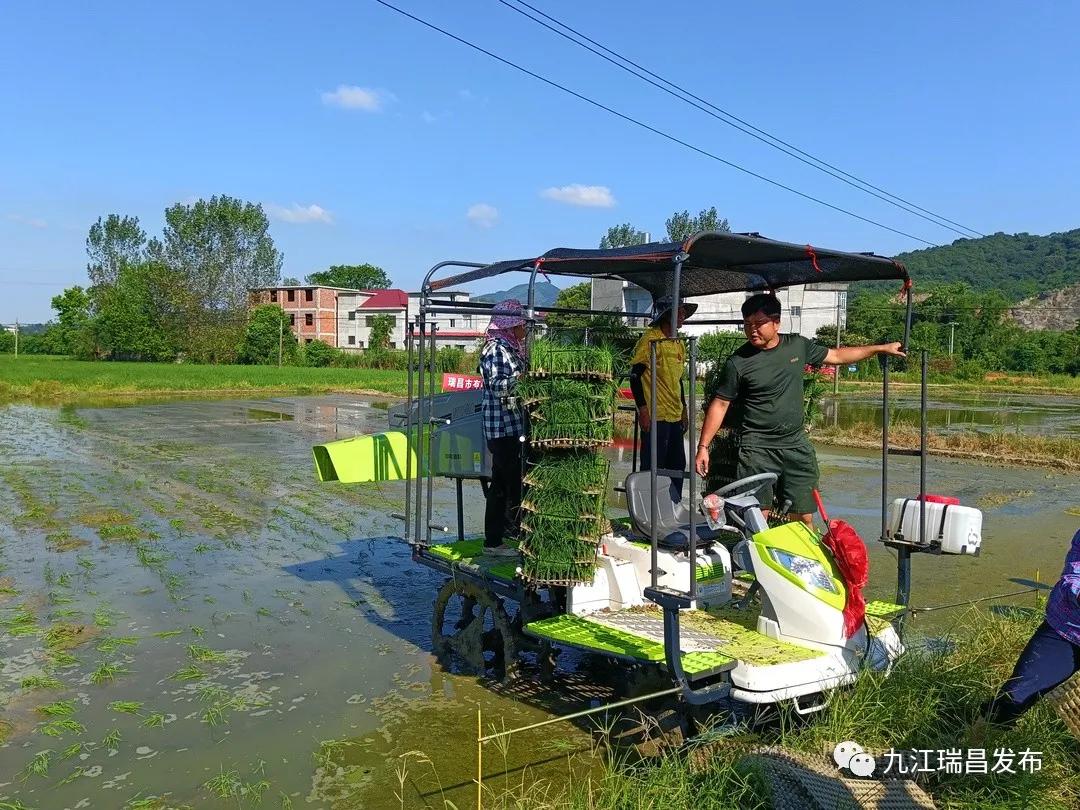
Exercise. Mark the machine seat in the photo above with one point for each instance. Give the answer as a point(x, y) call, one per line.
point(673, 517)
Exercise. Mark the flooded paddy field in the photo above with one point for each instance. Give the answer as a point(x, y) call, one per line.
point(186, 614)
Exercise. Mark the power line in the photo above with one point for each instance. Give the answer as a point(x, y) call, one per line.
point(738, 123)
point(652, 129)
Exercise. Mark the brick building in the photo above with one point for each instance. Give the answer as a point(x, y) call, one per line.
point(343, 317)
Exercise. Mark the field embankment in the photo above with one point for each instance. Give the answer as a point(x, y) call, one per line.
point(59, 380)
point(997, 447)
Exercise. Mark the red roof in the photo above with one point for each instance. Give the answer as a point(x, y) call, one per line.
point(449, 333)
point(387, 299)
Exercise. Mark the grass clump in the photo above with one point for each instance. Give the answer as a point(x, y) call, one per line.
point(126, 706)
point(61, 708)
point(203, 654)
point(107, 671)
point(20, 622)
point(65, 725)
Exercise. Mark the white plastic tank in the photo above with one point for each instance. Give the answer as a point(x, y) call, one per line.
point(958, 528)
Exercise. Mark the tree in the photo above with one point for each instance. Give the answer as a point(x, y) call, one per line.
point(221, 248)
point(134, 318)
point(113, 243)
point(267, 333)
point(352, 276)
point(624, 235)
point(291, 281)
point(681, 225)
point(7, 341)
point(379, 336)
point(320, 354)
point(577, 296)
point(70, 334)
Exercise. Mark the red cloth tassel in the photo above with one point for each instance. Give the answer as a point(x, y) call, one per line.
point(813, 258)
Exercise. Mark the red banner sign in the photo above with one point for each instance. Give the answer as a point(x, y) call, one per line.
point(462, 382)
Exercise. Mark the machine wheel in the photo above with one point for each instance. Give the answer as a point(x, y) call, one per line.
point(470, 627)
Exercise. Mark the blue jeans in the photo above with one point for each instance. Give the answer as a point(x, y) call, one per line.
point(1048, 660)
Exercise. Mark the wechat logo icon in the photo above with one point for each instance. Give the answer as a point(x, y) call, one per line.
point(849, 755)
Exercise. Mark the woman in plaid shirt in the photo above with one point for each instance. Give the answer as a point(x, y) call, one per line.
point(1052, 656)
point(501, 363)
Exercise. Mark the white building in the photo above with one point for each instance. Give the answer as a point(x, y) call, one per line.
point(806, 308)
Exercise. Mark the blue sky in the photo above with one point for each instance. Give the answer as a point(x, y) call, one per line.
point(369, 138)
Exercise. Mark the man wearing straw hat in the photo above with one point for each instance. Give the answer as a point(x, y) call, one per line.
point(671, 416)
point(502, 361)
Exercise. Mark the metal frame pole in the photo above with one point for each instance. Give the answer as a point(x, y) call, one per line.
point(922, 448)
point(421, 420)
point(655, 504)
point(692, 427)
point(431, 424)
point(408, 431)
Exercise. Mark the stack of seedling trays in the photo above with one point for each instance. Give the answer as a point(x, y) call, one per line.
point(570, 398)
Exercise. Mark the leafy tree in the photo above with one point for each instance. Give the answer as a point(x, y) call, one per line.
point(222, 248)
point(623, 235)
point(7, 342)
point(382, 326)
point(113, 243)
point(681, 225)
point(268, 331)
point(320, 354)
point(576, 296)
point(70, 334)
point(291, 281)
point(134, 317)
point(352, 276)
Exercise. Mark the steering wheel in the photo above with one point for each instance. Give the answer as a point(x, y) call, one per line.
point(747, 486)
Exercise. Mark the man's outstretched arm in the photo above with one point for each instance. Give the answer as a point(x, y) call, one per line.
point(853, 354)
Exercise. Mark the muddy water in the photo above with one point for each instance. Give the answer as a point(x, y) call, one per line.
point(262, 632)
point(267, 636)
point(1009, 413)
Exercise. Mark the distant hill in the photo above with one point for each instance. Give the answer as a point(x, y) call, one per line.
point(1021, 265)
point(546, 293)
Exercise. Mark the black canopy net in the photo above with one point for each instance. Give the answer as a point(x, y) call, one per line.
point(714, 263)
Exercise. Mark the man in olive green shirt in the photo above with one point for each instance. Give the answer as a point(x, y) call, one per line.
point(765, 378)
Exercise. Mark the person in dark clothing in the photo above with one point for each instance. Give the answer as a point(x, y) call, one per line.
point(765, 376)
point(671, 416)
point(501, 364)
point(1052, 656)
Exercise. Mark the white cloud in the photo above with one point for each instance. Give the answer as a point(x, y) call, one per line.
point(33, 222)
point(299, 214)
point(428, 118)
point(483, 215)
point(584, 196)
point(351, 97)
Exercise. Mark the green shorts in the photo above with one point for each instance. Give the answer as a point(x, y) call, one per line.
point(797, 468)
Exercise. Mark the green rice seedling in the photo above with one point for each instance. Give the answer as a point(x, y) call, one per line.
point(38, 766)
point(112, 740)
point(40, 682)
point(103, 617)
point(56, 598)
point(150, 557)
point(64, 580)
point(65, 725)
point(61, 708)
point(547, 356)
point(155, 720)
point(63, 613)
point(197, 631)
point(202, 654)
point(74, 750)
point(62, 658)
point(107, 671)
point(78, 771)
point(202, 548)
point(189, 673)
point(119, 533)
point(285, 801)
point(246, 595)
point(87, 564)
point(114, 643)
point(126, 706)
point(64, 636)
point(263, 611)
point(168, 633)
point(13, 805)
point(139, 802)
point(47, 574)
point(21, 622)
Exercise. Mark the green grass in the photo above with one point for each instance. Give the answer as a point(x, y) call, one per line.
point(46, 379)
point(930, 701)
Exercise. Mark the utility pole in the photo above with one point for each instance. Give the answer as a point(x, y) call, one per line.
point(836, 369)
point(280, 337)
point(952, 332)
point(16, 338)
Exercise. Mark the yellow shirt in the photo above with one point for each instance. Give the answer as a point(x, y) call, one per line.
point(670, 358)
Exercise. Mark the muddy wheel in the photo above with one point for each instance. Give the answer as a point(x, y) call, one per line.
point(470, 628)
